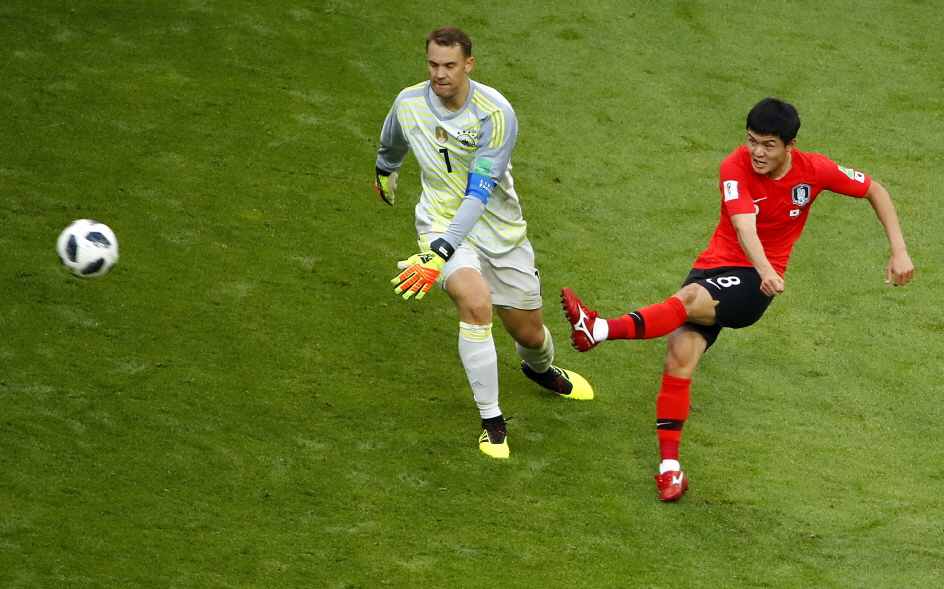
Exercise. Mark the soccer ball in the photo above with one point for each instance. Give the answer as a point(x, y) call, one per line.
point(87, 248)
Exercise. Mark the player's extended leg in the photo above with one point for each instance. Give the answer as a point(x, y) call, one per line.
point(470, 293)
point(691, 303)
point(535, 346)
point(685, 347)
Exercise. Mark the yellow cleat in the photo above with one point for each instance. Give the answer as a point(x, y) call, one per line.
point(563, 382)
point(494, 440)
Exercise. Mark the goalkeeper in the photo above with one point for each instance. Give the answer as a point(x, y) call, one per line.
point(472, 237)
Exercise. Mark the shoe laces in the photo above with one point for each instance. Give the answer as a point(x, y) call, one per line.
point(590, 313)
point(495, 428)
point(561, 377)
point(671, 477)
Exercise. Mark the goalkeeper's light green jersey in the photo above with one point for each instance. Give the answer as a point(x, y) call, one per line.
point(477, 138)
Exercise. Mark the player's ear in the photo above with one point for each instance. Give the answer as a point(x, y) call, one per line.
point(469, 64)
point(792, 144)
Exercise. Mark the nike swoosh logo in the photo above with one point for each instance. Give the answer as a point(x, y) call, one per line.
point(760, 199)
point(677, 480)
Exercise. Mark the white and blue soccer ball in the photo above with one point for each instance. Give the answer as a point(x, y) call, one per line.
point(87, 248)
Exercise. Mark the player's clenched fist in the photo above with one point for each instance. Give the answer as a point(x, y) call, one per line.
point(772, 284)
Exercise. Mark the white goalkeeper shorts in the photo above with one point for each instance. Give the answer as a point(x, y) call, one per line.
point(512, 278)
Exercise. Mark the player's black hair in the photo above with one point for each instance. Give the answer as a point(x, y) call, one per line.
point(772, 116)
point(450, 37)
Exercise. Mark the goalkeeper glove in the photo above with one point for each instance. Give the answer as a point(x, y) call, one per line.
point(422, 270)
point(386, 184)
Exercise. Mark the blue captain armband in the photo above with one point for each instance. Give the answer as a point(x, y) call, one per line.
point(480, 187)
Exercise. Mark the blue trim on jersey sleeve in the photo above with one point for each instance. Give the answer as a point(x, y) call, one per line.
point(480, 187)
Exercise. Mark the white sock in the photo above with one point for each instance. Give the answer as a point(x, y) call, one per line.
point(540, 359)
point(477, 352)
point(601, 329)
point(667, 465)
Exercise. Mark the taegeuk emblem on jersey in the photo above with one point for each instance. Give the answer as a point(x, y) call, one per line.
point(801, 194)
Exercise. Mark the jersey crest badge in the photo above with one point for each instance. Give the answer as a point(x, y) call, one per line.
point(441, 135)
point(466, 138)
point(801, 195)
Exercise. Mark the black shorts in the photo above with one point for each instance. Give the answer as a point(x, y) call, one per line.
point(740, 300)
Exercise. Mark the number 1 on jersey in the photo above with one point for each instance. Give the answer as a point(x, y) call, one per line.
point(445, 153)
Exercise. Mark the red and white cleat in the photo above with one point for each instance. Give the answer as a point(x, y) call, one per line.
point(672, 485)
point(581, 321)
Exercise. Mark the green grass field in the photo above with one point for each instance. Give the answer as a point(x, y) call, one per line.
point(243, 402)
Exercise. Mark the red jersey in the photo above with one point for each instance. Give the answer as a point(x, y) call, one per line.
point(782, 206)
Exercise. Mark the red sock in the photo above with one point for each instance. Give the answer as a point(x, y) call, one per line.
point(672, 407)
point(649, 322)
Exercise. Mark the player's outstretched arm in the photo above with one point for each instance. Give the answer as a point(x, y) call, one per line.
point(771, 283)
point(900, 268)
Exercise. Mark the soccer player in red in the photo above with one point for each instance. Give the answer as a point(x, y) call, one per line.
point(767, 187)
